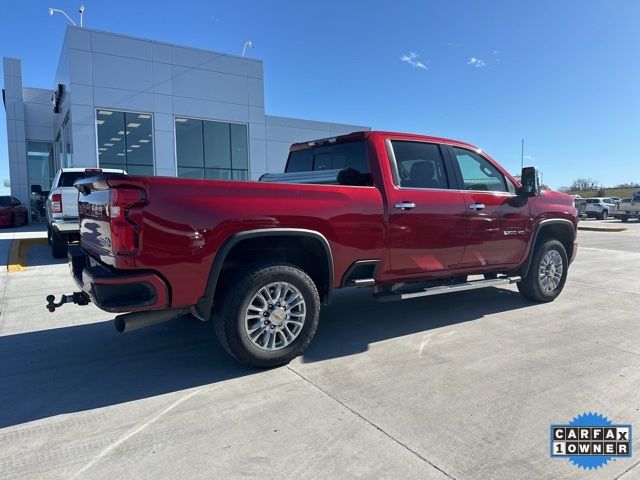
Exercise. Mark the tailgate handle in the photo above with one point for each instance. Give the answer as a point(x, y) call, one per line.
point(476, 206)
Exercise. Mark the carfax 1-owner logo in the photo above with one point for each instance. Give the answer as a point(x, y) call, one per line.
point(590, 441)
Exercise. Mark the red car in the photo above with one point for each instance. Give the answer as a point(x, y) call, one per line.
point(408, 215)
point(12, 212)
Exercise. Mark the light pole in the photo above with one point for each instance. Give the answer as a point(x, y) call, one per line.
point(81, 10)
point(57, 10)
point(249, 44)
point(522, 156)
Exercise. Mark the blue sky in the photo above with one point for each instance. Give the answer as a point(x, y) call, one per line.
point(564, 75)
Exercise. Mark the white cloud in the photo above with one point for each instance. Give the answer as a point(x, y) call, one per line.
point(476, 62)
point(412, 59)
point(529, 157)
point(496, 52)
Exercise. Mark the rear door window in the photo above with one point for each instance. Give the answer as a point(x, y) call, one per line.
point(419, 165)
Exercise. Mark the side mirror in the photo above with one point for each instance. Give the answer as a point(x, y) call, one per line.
point(530, 180)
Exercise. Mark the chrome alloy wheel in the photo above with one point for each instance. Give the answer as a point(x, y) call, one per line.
point(550, 273)
point(275, 316)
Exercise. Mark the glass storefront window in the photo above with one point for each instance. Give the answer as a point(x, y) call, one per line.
point(40, 172)
point(125, 141)
point(211, 150)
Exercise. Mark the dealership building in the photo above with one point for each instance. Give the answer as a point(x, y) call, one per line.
point(149, 107)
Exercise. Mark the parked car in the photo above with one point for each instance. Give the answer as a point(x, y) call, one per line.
point(12, 212)
point(629, 208)
point(580, 204)
point(408, 215)
point(62, 207)
point(600, 207)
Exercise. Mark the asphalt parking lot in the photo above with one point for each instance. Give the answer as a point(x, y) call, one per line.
point(459, 386)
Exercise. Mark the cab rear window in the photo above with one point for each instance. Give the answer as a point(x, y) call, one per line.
point(330, 157)
point(67, 179)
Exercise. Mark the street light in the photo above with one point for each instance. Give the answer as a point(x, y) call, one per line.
point(57, 10)
point(249, 44)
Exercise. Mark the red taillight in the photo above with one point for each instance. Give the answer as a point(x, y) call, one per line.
point(92, 171)
point(124, 221)
point(56, 203)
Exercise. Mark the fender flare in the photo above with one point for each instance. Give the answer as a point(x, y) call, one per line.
point(524, 269)
point(202, 309)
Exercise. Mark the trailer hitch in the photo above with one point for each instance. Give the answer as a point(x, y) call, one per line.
point(80, 298)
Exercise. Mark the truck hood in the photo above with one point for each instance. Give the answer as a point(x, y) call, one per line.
point(557, 197)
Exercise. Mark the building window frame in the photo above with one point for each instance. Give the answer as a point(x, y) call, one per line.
point(208, 119)
point(123, 110)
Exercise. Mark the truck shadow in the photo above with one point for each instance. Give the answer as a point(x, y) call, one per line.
point(64, 370)
point(353, 321)
point(72, 369)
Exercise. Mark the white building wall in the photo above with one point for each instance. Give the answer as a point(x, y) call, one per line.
point(113, 71)
point(14, 106)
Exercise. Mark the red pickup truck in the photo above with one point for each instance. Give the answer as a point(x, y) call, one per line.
point(408, 215)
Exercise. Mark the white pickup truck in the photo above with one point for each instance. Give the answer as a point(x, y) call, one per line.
point(629, 208)
point(62, 207)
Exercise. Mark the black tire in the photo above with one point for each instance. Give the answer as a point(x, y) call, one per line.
point(530, 286)
point(234, 300)
point(49, 235)
point(59, 244)
point(604, 215)
point(624, 218)
point(490, 276)
point(12, 221)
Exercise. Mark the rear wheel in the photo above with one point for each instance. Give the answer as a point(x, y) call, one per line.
point(59, 244)
point(624, 218)
point(547, 272)
point(12, 221)
point(267, 314)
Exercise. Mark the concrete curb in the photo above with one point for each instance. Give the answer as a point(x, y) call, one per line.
point(18, 253)
point(603, 229)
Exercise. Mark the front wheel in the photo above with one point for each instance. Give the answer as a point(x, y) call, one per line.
point(604, 215)
point(547, 273)
point(624, 218)
point(267, 314)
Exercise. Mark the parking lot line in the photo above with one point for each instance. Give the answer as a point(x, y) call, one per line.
point(18, 253)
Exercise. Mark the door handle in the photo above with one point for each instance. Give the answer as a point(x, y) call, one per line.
point(476, 206)
point(405, 205)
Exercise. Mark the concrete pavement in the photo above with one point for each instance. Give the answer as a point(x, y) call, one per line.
point(459, 386)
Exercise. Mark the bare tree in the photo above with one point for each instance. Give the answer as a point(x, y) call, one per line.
point(585, 184)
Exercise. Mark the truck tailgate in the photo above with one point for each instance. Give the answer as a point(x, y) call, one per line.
point(69, 202)
point(93, 210)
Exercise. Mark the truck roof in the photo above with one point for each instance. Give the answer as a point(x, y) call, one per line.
point(82, 169)
point(361, 135)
